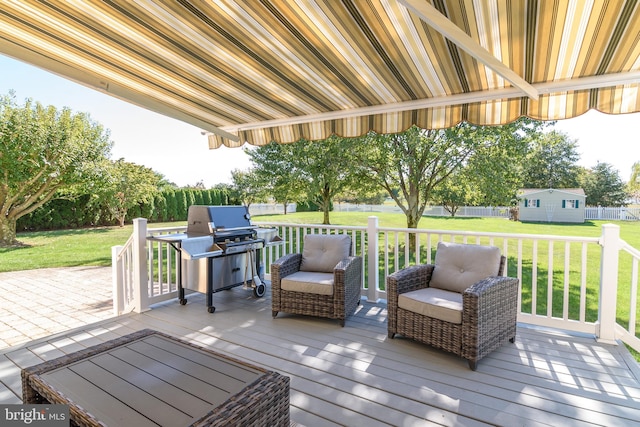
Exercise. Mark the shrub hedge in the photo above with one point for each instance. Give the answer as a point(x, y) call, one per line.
point(84, 211)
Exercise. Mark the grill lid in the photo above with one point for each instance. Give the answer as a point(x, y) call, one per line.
point(212, 219)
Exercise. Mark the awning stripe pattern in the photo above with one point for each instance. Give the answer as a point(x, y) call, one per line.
point(258, 71)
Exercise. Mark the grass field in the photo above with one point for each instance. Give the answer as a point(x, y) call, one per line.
point(92, 246)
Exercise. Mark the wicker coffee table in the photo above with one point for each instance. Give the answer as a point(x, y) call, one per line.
point(149, 378)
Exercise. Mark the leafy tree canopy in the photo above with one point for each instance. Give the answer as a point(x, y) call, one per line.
point(45, 152)
point(455, 191)
point(552, 162)
point(633, 186)
point(325, 168)
point(247, 187)
point(603, 186)
point(317, 171)
point(411, 165)
point(276, 174)
point(129, 185)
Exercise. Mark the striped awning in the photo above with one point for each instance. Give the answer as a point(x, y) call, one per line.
point(258, 71)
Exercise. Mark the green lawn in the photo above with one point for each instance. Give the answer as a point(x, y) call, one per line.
point(93, 247)
point(630, 231)
point(66, 248)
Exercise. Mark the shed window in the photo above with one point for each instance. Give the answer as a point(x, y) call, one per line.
point(531, 203)
point(570, 204)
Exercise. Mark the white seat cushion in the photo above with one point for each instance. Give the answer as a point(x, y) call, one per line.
point(310, 282)
point(458, 266)
point(322, 252)
point(433, 302)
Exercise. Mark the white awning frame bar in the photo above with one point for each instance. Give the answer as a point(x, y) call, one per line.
point(448, 29)
point(584, 83)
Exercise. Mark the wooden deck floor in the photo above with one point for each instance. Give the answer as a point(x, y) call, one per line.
point(356, 376)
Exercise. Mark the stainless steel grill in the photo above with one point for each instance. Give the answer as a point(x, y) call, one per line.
point(220, 250)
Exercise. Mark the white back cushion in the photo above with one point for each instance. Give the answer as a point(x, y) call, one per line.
point(459, 266)
point(322, 252)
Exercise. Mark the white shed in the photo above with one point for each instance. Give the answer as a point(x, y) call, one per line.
point(552, 204)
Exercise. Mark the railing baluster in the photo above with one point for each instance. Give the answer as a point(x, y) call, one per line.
point(396, 257)
point(550, 280)
point(583, 283)
point(519, 275)
point(150, 263)
point(567, 271)
point(534, 278)
point(161, 283)
point(386, 253)
point(633, 300)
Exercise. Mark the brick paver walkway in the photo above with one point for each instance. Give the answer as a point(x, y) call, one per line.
point(38, 303)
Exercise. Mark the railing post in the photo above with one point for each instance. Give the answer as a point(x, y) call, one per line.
point(116, 280)
point(140, 282)
point(372, 259)
point(610, 242)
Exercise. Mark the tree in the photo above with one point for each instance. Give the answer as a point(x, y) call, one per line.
point(495, 170)
point(633, 186)
point(326, 170)
point(455, 191)
point(45, 153)
point(247, 187)
point(412, 164)
point(603, 186)
point(317, 170)
point(414, 161)
point(552, 162)
point(129, 186)
point(276, 173)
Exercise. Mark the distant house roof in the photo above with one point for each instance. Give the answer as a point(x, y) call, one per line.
point(529, 191)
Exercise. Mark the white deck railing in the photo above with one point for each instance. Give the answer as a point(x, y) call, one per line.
point(567, 282)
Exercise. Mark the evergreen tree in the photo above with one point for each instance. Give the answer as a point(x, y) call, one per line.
point(603, 186)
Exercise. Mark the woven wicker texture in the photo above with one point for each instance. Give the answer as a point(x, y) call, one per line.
point(488, 318)
point(341, 304)
point(263, 402)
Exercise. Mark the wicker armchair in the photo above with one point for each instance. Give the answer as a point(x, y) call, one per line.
point(462, 304)
point(322, 281)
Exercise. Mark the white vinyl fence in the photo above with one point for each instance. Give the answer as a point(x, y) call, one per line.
point(600, 213)
point(613, 214)
point(270, 208)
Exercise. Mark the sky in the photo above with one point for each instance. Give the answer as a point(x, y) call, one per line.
point(180, 152)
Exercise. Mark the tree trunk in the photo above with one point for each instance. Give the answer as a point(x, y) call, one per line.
point(325, 220)
point(326, 206)
point(7, 231)
point(412, 222)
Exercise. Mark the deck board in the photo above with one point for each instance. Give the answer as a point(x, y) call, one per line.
point(356, 375)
